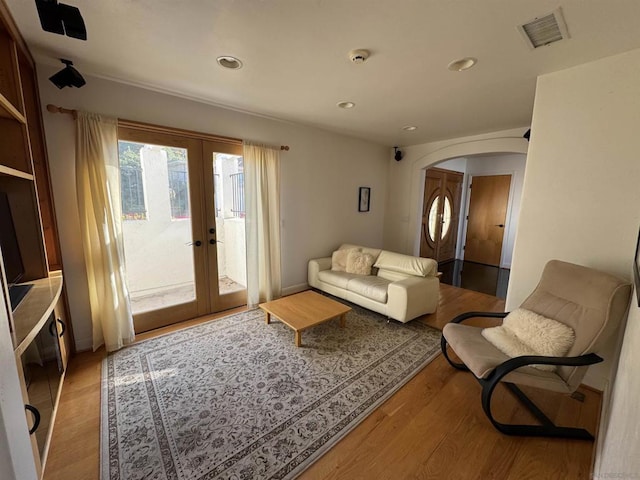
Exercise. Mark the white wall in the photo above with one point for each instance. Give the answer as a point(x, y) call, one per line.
point(581, 189)
point(580, 203)
point(618, 456)
point(234, 249)
point(406, 180)
point(454, 164)
point(320, 176)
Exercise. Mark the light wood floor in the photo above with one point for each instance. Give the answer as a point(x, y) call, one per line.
point(432, 428)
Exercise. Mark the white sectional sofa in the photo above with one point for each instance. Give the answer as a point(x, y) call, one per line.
point(399, 286)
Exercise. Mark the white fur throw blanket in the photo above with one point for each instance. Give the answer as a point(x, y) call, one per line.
point(526, 333)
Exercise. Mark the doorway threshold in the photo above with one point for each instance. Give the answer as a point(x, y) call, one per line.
point(475, 276)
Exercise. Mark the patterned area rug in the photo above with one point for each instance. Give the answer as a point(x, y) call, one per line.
point(235, 398)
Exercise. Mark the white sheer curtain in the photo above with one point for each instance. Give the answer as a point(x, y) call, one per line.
point(98, 189)
point(262, 197)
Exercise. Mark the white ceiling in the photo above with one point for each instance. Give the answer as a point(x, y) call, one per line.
point(296, 64)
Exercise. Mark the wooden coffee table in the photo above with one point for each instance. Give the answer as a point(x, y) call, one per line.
point(304, 310)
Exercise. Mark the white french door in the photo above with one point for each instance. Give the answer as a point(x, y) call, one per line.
point(182, 259)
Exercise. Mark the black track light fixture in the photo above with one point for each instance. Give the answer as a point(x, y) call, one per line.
point(61, 19)
point(397, 154)
point(68, 76)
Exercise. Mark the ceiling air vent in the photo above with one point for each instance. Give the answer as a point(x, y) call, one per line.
point(545, 29)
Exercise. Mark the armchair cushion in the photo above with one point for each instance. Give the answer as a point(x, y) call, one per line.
point(526, 333)
point(482, 358)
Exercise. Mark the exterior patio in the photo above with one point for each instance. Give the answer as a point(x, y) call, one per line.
point(157, 226)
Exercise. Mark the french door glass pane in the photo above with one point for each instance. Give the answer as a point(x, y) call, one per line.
point(228, 178)
point(156, 224)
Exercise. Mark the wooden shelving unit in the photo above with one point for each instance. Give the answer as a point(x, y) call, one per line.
point(41, 336)
point(34, 311)
point(12, 172)
point(7, 110)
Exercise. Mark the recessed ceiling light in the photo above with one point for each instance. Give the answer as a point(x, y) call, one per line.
point(230, 62)
point(462, 64)
point(409, 128)
point(346, 104)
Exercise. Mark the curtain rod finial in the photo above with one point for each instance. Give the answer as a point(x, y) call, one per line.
point(284, 147)
point(55, 109)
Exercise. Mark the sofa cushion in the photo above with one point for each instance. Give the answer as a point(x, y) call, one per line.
point(371, 251)
point(374, 288)
point(392, 276)
point(339, 259)
point(359, 262)
point(337, 279)
point(407, 264)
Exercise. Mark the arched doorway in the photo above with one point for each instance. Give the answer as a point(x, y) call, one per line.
point(488, 220)
point(465, 159)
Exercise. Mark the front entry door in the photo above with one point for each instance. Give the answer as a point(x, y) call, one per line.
point(175, 249)
point(487, 217)
point(440, 214)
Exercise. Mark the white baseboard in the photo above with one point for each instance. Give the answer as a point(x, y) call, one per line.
point(295, 289)
point(84, 344)
point(602, 431)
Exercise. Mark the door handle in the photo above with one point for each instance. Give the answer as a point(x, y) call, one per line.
point(64, 327)
point(36, 418)
point(52, 328)
point(501, 225)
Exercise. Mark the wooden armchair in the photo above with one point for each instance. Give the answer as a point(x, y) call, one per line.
point(592, 303)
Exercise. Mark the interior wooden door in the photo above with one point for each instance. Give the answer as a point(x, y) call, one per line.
point(486, 219)
point(440, 214)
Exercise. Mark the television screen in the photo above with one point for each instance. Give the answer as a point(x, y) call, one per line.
point(13, 266)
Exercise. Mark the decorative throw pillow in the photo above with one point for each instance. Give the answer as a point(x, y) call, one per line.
point(359, 262)
point(526, 333)
point(339, 259)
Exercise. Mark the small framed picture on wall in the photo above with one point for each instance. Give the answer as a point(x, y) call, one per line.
point(364, 199)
